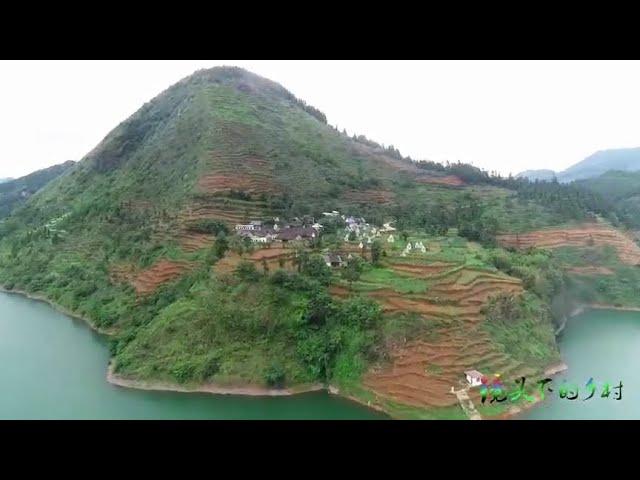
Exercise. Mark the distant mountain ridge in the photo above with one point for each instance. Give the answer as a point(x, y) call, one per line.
point(537, 174)
point(621, 159)
point(15, 192)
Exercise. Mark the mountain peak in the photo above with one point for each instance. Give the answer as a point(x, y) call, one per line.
point(240, 78)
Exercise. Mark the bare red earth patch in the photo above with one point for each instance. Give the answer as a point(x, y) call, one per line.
point(161, 272)
point(448, 180)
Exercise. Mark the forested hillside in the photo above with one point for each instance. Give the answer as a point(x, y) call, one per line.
point(140, 238)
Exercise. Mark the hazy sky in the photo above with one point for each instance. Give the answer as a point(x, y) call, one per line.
point(500, 115)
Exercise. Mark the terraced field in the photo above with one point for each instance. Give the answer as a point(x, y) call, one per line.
point(590, 234)
point(423, 369)
point(591, 270)
point(161, 272)
point(449, 180)
point(271, 256)
point(422, 372)
point(240, 172)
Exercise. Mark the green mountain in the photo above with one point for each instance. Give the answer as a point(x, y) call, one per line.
point(16, 192)
point(139, 238)
point(622, 189)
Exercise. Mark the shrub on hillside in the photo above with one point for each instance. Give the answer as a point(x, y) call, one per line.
point(247, 271)
point(274, 376)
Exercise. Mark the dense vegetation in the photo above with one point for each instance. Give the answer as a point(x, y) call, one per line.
point(565, 202)
point(297, 332)
point(623, 191)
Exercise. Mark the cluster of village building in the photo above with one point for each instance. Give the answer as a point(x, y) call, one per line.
point(296, 230)
point(417, 247)
point(306, 229)
point(356, 228)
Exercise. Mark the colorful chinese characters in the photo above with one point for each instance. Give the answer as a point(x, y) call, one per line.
point(498, 393)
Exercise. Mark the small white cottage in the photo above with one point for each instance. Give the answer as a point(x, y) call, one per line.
point(390, 239)
point(474, 377)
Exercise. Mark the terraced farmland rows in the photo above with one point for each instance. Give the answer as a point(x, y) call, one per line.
point(423, 370)
point(593, 234)
point(448, 180)
point(271, 256)
point(161, 272)
point(422, 373)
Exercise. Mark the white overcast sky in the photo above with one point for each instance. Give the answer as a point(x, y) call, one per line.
point(500, 115)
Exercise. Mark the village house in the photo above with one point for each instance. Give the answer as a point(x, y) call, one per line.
point(420, 246)
point(386, 228)
point(263, 235)
point(246, 227)
point(390, 239)
point(259, 232)
point(334, 260)
point(333, 213)
point(297, 233)
point(474, 378)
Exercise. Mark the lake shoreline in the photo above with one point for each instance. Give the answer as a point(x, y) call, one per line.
point(246, 390)
point(257, 391)
point(58, 308)
point(114, 379)
point(515, 411)
point(603, 306)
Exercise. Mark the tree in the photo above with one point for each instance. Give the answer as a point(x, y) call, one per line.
point(320, 307)
point(351, 273)
point(221, 246)
point(247, 271)
point(248, 245)
point(265, 266)
point(315, 267)
point(236, 245)
point(376, 251)
point(274, 376)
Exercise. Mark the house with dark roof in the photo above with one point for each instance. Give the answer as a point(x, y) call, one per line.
point(297, 233)
point(334, 260)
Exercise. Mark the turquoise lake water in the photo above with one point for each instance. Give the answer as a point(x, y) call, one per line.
point(54, 367)
point(603, 345)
